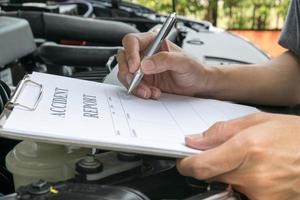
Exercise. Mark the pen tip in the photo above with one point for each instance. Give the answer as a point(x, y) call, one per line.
point(130, 89)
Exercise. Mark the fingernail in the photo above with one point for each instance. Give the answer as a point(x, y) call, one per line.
point(189, 138)
point(141, 92)
point(156, 93)
point(192, 136)
point(129, 78)
point(148, 65)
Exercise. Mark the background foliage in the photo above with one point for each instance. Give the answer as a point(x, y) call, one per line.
point(230, 14)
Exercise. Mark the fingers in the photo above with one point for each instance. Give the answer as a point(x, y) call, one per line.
point(142, 91)
point(222, 131)
point(214, 162)
point(147, 92)
point(134, 44)
point(125, 77)
point(155, 92)
point(163, 61)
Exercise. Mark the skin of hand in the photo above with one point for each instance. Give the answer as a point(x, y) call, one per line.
point(257, 155)
point(170, 70)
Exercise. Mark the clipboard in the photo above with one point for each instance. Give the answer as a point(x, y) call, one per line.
point(122, 124)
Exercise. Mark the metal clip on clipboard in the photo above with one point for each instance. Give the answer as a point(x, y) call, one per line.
point(12, 103)
point(13, 100)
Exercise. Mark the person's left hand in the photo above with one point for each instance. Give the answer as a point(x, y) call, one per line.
point(259, 155)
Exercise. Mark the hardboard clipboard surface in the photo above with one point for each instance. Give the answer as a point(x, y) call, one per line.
point(90, 114)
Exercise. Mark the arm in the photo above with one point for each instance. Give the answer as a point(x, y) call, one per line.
point(276, 82)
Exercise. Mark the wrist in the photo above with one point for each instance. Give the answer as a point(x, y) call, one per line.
point(210, 81)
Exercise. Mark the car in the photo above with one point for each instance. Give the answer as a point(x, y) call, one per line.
point(80, 39)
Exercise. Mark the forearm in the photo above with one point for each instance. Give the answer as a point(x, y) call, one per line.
point(276, 82)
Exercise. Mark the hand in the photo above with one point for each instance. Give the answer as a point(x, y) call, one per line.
point(170, 70)
point(259, 155)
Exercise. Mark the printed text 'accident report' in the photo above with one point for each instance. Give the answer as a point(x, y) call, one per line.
point(73, 111)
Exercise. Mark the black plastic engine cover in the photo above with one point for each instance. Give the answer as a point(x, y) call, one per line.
point(77, 191)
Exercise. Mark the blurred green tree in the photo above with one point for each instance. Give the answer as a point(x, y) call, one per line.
point(235, 14)
point(183, 7)
point(212, 11)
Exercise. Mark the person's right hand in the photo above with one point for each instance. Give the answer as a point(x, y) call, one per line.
point(170, 70)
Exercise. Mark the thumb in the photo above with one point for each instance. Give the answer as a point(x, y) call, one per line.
point(220, 132)
point(164, 61)
point(215, 162)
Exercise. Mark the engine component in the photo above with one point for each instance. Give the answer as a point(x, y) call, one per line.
point(14, 32)
point(71, 55)
point(103, 165)
point(30, 161)
point(42, 190)
point(89, 167)
point(57, 28)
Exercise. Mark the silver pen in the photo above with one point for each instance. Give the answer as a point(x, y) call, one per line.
point(162, 34)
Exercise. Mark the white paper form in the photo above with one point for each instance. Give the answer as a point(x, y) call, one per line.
point(104, 116)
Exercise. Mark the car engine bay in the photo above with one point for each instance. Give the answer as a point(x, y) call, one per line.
point(80, 39)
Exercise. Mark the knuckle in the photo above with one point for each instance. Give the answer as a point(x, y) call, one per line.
point(164, 57)
point(151, 34)
point(256, 153)
point(148, 36)
point(189, 167)
point(191, 61)
point(130, 40)
point(255, 148)
point(182, 167)
point(219, 127)
point(160, 58)
point(238, 142)
point(200, 171)
point(252, 148)
point(128, 37)
point(253, 145)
